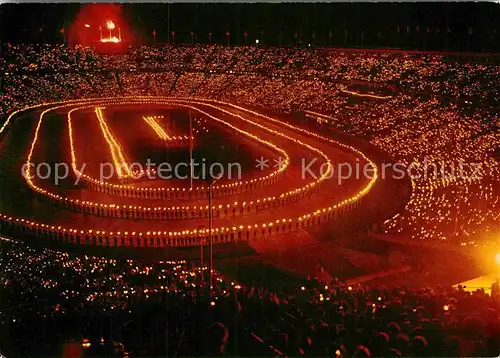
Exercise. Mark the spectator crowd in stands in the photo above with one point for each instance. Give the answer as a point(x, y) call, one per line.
point(50, 298)
point(415, 131)
point(55, 301)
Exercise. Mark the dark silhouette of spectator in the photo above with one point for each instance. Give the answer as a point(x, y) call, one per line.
point(362, 352)
point(452, 347)
point(419, 346)
point(495, 288)
point(217, 336)
point(392, 352)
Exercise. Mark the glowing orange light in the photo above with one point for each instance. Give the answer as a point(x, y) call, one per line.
point(160, 132)
point(121, 165)
point(183, 233)
point(110, 25)
point(113, 39)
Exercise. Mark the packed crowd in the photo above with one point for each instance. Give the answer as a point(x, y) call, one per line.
point(417, 133)
point(55, 302)
point(52, 300)
point(422, 73)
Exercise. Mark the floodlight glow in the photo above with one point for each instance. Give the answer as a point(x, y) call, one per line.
point(113, 39)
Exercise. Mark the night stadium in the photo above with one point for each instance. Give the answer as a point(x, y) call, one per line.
point(270, 180)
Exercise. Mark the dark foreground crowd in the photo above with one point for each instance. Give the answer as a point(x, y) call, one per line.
point(59, 304)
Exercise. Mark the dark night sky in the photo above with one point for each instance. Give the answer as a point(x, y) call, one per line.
point(367, 24)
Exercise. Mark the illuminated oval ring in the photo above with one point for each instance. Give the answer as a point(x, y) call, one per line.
point(184, 212)
point(199, 192)
point(189, 237)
